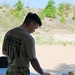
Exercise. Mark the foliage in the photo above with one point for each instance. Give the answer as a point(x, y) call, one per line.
point(64, 8)
point(1, 7)
point(67, 6)
point(46, 40)
point(19, 5)
point(62, 20)
point(73, 16)
point(61, 9)
point(66, 14)
point(64, 42)
point(50, 9)
point(42, 15)
point(49, 40)
point(18, 12)
point(73, 8)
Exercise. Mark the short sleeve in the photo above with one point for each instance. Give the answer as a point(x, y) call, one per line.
point(30, 47)
point(4, 44)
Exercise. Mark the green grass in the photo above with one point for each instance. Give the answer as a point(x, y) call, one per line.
point(49, 40)
point(64, 43)
point(44, 40)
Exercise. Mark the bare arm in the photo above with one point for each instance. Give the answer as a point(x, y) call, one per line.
point(36, 65)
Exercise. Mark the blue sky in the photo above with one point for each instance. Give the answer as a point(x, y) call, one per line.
point(35, 3)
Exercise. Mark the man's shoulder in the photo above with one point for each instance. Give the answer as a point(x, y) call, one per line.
point(28, 36)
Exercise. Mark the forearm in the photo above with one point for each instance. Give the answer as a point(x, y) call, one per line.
point(36, 65)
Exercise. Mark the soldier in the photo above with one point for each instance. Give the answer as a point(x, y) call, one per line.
point(19, 47)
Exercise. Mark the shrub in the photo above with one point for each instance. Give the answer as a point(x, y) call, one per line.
point(73, 16)
point(62, 20)
point(1, 7)
point(50, 9)
point(19, 5)
point(61, 9)
point(42, 15)
point(46, 40)
point(18, 12)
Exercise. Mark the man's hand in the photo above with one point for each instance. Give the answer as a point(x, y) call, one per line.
point(44, 73)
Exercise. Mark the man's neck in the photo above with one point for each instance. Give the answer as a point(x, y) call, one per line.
point(23, 27)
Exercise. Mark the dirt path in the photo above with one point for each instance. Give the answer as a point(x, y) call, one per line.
point(56, 59)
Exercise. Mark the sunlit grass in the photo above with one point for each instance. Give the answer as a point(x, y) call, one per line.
point(44, 39)
point(49, 40)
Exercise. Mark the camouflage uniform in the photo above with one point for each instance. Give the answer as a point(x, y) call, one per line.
point(17, 71)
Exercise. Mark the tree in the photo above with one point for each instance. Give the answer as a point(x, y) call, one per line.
point(50, 9)
point(19, 5)
point(61, 9)
point(18, 12)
